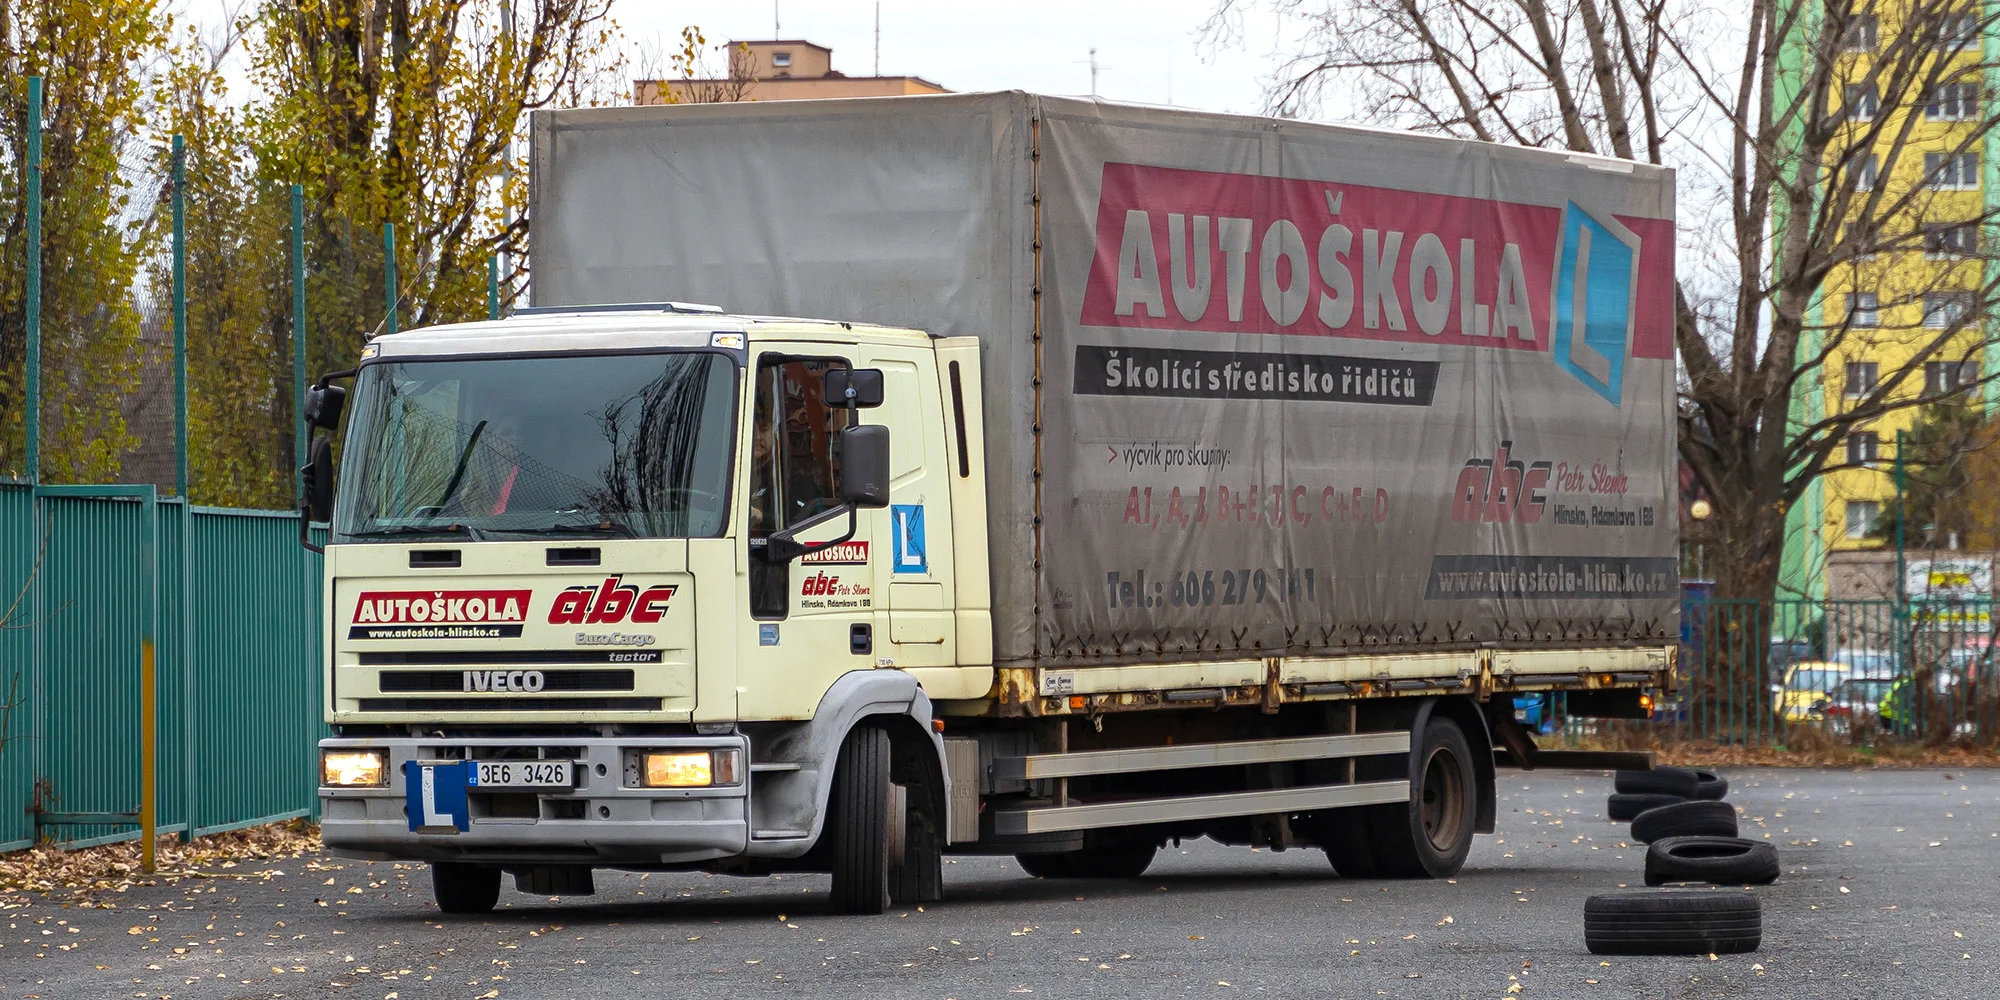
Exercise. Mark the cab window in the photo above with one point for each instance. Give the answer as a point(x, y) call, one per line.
point(794, 465)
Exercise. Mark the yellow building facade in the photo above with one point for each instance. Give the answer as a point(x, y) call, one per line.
point(1877, 313)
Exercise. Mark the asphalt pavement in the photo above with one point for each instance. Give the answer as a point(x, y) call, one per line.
point(1889, 891)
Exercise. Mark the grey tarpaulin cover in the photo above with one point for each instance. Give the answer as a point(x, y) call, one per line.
point(1304, 387)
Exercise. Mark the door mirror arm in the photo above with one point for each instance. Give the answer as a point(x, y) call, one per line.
point(783, 546)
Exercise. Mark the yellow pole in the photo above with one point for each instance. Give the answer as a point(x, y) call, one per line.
point(148, 765)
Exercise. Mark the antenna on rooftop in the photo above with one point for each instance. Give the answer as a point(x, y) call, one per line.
point(776, 31)
point(878, 38)
point(1093, 70)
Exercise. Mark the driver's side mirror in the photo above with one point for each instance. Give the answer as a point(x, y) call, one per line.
point(323, 406)
point(318, 475)
point(864, 465)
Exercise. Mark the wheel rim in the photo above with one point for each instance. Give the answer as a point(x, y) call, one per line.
point(1441, 800)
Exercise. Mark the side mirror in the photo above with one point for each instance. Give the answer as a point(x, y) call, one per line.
point(854, 388)
point(318, 474)
point(323, 406)
point(864, 464)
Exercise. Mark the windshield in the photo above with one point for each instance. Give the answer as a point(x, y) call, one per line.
point(628, 445)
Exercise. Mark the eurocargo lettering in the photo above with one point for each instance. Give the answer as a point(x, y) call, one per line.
point(1131, 468)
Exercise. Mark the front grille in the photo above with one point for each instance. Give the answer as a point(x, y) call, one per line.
point(504, 703)
point(552, 680)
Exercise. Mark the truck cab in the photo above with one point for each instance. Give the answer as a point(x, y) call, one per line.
point(609, 588)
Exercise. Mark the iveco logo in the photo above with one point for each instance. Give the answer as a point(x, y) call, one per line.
point(503, 680)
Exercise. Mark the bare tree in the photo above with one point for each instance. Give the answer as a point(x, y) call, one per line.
point(685, 73)
point(1826, 155)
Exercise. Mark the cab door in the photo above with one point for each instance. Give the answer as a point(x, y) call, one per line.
point(813, 618)
point(916, 569)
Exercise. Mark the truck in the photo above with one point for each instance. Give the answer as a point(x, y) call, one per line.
point(1151, 475)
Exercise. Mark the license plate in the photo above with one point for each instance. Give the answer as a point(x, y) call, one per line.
point(523, 774)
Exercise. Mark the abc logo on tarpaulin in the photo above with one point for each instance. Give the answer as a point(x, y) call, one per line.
point(1596, 286)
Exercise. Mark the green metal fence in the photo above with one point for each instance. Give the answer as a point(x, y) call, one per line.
point(1803, 673)
point(230, 604)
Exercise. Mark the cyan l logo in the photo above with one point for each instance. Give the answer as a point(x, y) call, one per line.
point(1597, 283)
point(907, 519)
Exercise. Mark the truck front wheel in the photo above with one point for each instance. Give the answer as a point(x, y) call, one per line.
point(857, 824)
point(465, 889)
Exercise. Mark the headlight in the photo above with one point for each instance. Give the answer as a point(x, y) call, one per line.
point(689, 768)
point(353, 768)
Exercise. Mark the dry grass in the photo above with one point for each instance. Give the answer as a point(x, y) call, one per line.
point(86, 873)
point(1804, 746)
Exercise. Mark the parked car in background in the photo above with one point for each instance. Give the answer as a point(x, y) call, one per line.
point(1785, 652)
point(1808, 684)
point(1850, 706)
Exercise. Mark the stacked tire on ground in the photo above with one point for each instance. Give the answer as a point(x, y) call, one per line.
point(1691, 837)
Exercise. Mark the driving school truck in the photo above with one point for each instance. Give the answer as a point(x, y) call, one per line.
point(1152, 475)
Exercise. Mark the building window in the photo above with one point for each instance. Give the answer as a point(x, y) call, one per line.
point(1946, 377)
point(1862, 102)
point(1864, 175)
point(781, 60)
point(1861, 32)
point(1953, 101)
point(1861, 515)
point(1862, 310)
point(1952, 171)
point(1960, 31)
point(1861, 447)
point(1956, 239)
point(1860, 378)
point(1945, 310)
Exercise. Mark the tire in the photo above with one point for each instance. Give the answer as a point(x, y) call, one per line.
point(1624, 807)
point(1658, 781)
point(1685, 819)
point(1047, 865)
point(921, 875)
point(1711, 786)
point(1344, 835)
point(1429, 836)
point(462, 889)
point(1672, 923)
point(858, 823)
point(1715, 860)
point(1101, 857)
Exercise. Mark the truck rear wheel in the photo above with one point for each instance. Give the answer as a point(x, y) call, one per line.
point(857, 823)
point(1429, 836)
point(463, 889)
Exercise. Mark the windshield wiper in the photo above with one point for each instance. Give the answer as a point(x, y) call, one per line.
point(611, 529)
point(421, 529)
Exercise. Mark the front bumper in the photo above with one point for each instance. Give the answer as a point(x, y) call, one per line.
point(602, 820)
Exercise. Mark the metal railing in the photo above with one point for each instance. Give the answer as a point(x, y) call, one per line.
point(1790, 673)
point(152, 637)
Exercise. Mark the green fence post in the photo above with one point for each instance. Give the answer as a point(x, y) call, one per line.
point(180, 319)
point(299, 335)
point(493, 287)
point(32, 420)
point(389, 274)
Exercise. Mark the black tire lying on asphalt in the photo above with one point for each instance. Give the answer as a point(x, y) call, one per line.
point(1672, 923)
point(1716, 860)
point(1710, 785)
point(1658, 781)
point(1623, 807)
point(1698, 818)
